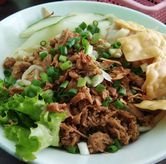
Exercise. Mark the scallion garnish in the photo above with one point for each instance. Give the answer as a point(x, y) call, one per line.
point(66, 65)
point(106, 55)
point(93, 29)
point(119, 104)
point(72, 91)
point(44, 77)
point(52, 51)
point(72, 149)
point(78, 30)
point(53, 72)
point(83, 25)
point(116, 45)
point(43, 54)
point(31, 90)
point(43, 43)
point(85, 44)
point(116, 84)
point(100, 88)
point(81, 82)
point(63, 50)
point(117, 143)
point(7, 72)
point(71, 42)
point(112, 148)
point(64, 84)
point(122, 91)
point(95, 38)
point(36, 82)
point(9, 81)
point(95, 23)
point(62, 58)
point(107, 102)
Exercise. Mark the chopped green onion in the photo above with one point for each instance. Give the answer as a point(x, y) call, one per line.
point(83, 25)
point(72, 92)
point(62, 58)
point(86, 35)
point(77, 46)
point(119, 104)
point(9, 81)
point(31, 90)
point(100, 88)
point(43, 55)
point(93, 29)
point(37, 82)
point(66, 65)
point(71, 42)
point(85, 44)
point(78, 30)
point(122, 91)
point(53, 72)
point(95, 23)
point(47, 96)
point(106, 55)
point(95, 38)
point(112, 148)
point(116, 45)
point(52, 51)
point(116, 84)
point(63, 50)
point(43, 43)
point(44, 77)
point(7, 72)
point(81, 82)
point(64, 84)
point(107, 102)
point(117, 143)
point(137, 70)
point(72, 149)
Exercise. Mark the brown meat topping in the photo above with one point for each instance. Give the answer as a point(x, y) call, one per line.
point(19, 68)
point(97, 142)
point(136, 79)
point(56, 107)
point(68, 135)
point(9, 62)
point(14, 90)
point(82, 95)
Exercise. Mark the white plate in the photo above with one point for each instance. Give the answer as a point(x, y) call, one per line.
point(149, 148)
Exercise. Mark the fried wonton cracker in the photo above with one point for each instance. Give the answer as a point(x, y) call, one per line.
point(143, 45)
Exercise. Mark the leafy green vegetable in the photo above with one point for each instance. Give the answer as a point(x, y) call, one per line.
point(47, 95)
point(32, 107)
point(33, 139)
point(31, 90)
point(25, 146)
point(4, 95)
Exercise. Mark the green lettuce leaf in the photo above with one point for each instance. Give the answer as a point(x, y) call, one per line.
point(25, 146)
point(31, 140)
point(31, 106)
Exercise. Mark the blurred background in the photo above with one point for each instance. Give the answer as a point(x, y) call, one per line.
point(8, 7)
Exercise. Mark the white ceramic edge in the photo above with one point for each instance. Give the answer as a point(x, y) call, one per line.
point(83, 1)
point(160, 157)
